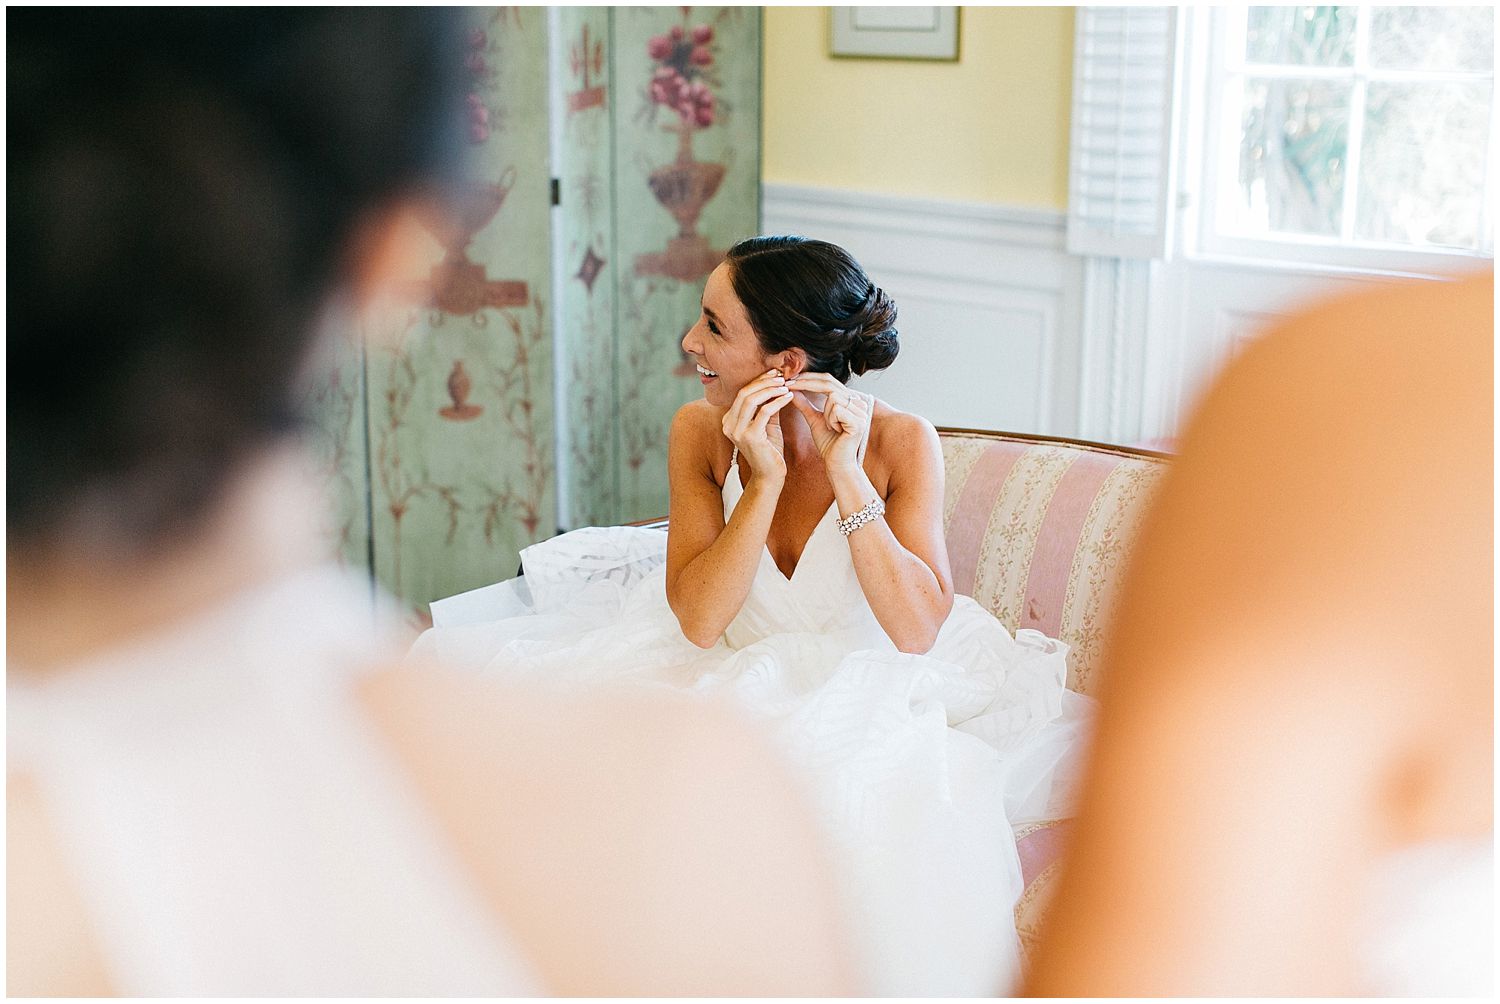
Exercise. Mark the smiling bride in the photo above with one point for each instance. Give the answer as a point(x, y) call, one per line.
point(804, 578)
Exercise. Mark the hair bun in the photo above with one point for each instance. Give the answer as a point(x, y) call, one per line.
point(810, 295)
point(873, 329)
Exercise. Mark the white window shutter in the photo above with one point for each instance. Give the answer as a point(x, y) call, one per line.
point(1120, 166)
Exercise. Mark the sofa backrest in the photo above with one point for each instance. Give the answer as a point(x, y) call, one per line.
point(1038, 530)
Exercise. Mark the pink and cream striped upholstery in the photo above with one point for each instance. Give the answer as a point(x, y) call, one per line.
point(1039, 846)
point(1038, 530)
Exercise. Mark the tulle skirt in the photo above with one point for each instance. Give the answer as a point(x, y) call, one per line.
point(917, 766)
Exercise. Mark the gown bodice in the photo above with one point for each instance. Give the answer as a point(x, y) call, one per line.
point(823, 595)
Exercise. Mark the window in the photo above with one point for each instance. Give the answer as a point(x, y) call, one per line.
point(1359, 136)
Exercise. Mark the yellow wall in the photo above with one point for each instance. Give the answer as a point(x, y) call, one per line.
point(992, 127)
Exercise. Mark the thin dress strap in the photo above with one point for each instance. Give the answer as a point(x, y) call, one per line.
point(864, 439)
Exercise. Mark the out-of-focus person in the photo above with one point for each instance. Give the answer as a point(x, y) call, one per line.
point(1291, 787)
point(218, 780)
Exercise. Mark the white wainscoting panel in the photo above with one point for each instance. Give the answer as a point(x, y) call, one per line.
point(1217, 309)
point(989, 302)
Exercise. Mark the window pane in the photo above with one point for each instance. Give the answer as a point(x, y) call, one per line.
point(1421, 176)
point(1300, 36)
point(1433, 38)
point(1291, 176)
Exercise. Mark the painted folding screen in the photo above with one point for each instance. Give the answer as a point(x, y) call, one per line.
point(658, 161)
point(533, 389)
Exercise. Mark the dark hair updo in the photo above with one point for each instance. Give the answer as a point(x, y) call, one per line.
point(812, 295)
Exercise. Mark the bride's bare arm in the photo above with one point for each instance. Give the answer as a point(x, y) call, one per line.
point(902, 560)
point(711, 564)
point(629, 846)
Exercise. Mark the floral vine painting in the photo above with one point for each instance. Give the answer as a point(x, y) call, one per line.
point(461, 404)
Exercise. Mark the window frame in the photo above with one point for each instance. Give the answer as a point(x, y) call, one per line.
point(1212, 152)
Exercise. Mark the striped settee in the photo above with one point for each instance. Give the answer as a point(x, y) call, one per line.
point(1037, 531)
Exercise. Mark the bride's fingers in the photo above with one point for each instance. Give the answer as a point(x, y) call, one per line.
point(839, 418)
point(755, 403)
point(816, 383)
point(760, 383)
point(763, 416)
point(805, 407)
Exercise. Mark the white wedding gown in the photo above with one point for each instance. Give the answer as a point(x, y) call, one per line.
point(918, 765)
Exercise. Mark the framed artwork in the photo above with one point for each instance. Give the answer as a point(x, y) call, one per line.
point(894, 32)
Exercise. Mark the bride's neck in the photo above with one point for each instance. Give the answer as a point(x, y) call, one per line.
point(69, 602)
point(796, 438)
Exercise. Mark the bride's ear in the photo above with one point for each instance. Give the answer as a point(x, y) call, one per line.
point(792, 362)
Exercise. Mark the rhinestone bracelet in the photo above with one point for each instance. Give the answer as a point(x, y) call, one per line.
point(855, 520)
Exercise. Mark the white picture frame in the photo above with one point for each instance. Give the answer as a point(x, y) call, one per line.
point(894, 33)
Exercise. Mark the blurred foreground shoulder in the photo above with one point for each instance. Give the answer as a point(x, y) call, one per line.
point(631, 844)
point(1300, 666)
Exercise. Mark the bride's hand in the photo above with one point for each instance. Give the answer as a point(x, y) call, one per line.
point(839, 424)
point(748, 424)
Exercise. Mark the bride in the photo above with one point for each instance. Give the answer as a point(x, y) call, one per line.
point(805, 578)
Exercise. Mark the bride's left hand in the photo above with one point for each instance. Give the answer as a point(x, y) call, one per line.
point(839, 424)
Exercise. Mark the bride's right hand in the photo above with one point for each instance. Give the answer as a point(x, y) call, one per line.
point(748, 424)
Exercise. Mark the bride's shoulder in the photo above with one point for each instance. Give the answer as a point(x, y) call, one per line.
point(697, 437)
point(896, 433)
point(698, 420)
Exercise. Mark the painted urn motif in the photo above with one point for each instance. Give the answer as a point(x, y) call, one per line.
point(459, 386)
point(458, 285)
point(681, 83)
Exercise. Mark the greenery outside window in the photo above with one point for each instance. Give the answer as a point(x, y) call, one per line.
point(1354, 136)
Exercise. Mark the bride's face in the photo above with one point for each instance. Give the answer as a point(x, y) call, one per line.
point(723, 343)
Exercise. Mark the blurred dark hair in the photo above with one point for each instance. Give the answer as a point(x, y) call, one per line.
point(812, 295)
point(183, 188)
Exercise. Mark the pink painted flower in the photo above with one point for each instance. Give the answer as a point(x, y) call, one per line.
point(677, 33)
point(703, 34)
point(668, 87)
point(701, 55)
point(660, 47)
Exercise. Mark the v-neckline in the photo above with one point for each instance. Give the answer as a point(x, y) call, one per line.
point(734, 472)
point(802, 554)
